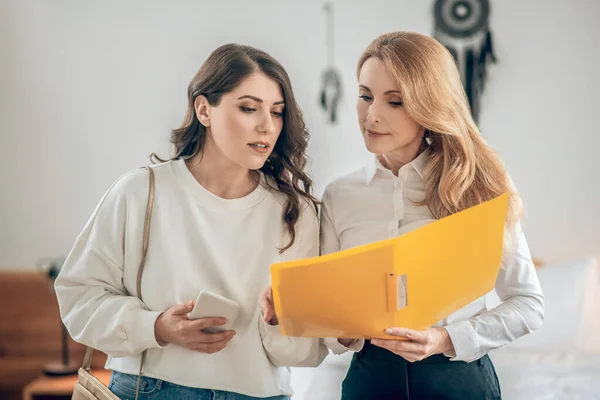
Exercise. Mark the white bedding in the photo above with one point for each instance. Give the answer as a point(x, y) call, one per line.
point(533, 375)
point(561, 360)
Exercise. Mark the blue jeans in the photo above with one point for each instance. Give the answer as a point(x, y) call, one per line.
point(124, 386)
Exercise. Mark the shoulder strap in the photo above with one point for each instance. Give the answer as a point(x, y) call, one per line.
point(146, 239)
point(87, 360)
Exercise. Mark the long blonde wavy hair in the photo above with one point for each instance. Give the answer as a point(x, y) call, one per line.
point(462, 170)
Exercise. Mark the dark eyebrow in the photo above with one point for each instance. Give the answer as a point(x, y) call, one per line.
point(247, 96)
point(388, 92)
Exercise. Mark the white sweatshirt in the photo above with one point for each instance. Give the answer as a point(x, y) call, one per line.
point(197, 241)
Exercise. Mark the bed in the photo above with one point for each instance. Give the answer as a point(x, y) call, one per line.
point(561, 360)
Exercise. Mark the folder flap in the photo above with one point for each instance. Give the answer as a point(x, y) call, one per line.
point(462, 267)
point(333, 295)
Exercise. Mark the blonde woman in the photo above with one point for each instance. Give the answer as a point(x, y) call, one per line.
point(429, 161)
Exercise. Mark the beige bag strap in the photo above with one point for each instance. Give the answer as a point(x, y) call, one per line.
point(87, 360)
point(147, 220)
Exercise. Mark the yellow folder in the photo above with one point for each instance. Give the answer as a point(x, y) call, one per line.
point(355, 293)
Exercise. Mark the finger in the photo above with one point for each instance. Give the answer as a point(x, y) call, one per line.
point(412, 351)
point(210, 348)
point(386, 344)
point(219, 343)
point(394, 347)
point(272, 314)
point(197, 325)
point(268, 314)
point(266, 307)
point(414, 335)
point(182, 309)
point(402, 345)
point(204, 337)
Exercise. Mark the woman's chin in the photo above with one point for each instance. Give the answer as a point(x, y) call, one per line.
point(254, 163)
point(377, 148)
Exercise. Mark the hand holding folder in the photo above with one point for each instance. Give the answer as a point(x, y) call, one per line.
point(355, 293)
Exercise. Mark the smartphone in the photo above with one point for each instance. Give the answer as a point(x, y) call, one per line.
point(212, 305)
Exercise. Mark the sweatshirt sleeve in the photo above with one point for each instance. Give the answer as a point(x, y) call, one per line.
point(288, 351)
point(94, 304)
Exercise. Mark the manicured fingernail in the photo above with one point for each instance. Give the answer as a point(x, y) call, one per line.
point(389, 331)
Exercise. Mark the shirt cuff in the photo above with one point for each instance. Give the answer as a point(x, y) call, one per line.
point(268, 329)
point(338, 348)
point(464, 341)
point(143, 330)
point(271, 334)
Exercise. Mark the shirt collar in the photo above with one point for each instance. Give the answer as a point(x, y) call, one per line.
point(418, 164)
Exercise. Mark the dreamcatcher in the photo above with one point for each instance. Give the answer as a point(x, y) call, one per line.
point(463, 27)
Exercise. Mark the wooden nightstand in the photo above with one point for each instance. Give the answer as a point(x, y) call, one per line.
point(58, 387)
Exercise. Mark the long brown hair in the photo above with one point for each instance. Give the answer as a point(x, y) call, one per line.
point(462, 170)
point(223, 71)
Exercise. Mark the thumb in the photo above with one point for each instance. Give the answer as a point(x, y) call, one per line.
point(182, 309)
point(265, 306)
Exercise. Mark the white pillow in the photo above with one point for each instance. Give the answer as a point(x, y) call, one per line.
point(544, 375)
point(572, 316)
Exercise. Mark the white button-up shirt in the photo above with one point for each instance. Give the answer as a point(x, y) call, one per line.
point(373, 204)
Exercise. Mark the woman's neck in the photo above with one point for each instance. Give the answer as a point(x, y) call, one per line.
point(219, 175)
point(394, 160)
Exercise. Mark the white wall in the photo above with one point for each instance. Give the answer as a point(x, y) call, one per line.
point(89, 89)
point(541, 113)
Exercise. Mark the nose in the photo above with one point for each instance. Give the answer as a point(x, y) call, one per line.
point(373, 113)
point(266, 126)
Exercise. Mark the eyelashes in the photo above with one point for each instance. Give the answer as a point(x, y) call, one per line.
point(394, 104)
point(250, 110)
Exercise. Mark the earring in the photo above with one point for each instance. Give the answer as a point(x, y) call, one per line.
point(428, 137)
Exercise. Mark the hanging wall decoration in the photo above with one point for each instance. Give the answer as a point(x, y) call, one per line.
point(331, 82)
point(463, 27)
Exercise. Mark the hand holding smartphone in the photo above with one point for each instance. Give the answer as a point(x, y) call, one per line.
point(212, 305)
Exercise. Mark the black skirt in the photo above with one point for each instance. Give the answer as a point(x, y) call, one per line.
point(379, 374)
